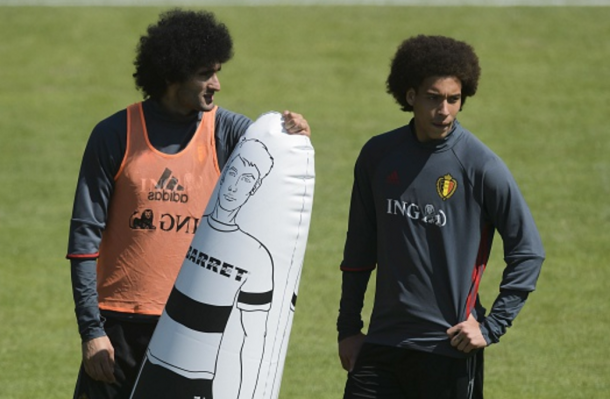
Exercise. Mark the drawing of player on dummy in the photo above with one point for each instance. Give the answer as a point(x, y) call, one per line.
point(241, 178)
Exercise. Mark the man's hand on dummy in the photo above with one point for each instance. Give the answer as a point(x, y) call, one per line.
point(295, 123)
point(98, 359)
point(348, 350)
point(466, 336)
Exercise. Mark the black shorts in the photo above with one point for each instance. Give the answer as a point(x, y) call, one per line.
point(385, 372)
point(130, 340)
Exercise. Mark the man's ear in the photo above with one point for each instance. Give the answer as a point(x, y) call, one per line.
point(411, 96)
point(256, 186)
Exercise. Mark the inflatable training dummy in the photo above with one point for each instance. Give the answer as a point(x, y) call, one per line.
point(224, 331)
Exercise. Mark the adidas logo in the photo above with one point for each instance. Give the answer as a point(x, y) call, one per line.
point(170, 189)
point(166, 177)
point(393, 178)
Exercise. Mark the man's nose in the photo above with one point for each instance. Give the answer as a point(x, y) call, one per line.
point(215, 82)
point(233, 187)
point(443, 108)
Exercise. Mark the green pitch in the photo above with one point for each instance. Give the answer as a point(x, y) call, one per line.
point(542, 105)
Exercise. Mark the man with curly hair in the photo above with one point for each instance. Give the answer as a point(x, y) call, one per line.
point(427, 200)
point(155, 161)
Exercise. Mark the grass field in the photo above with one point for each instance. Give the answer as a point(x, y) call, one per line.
point(542, 106)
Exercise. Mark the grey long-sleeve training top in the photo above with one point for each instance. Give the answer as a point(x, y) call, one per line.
point(424, 215)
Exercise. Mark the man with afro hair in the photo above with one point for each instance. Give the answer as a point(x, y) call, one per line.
point(427, 200)
point(155, 161)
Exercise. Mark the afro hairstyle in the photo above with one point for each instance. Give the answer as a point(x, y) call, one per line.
point(178, 45)
point(421, 57)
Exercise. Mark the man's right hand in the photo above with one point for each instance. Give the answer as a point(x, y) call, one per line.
point(348, 350)
point(98, 359)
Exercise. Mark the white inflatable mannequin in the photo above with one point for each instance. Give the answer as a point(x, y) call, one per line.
point(224, 331)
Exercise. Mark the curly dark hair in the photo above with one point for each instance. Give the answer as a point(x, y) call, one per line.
point(178, 45)
point(421, 57)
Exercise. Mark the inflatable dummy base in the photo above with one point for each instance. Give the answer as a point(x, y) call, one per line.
point(225, 328)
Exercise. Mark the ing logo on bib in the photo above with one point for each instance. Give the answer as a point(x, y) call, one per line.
point(446, 186)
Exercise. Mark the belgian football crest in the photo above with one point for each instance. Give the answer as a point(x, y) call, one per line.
point(446, 186)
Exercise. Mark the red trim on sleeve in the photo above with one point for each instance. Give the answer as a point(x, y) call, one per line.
point(477, 272)
point(358, 269)
point(83, 256)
